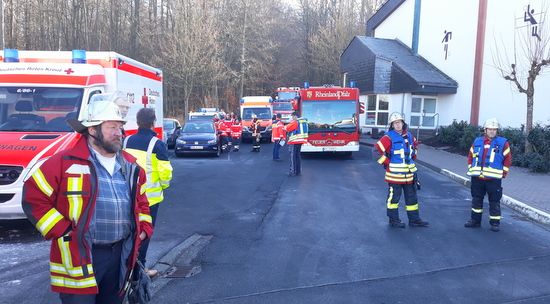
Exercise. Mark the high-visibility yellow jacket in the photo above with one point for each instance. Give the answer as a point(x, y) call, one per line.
point(60, 198)
point(298, 131)
point(152, 155)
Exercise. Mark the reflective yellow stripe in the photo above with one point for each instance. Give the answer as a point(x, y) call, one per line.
point(412, 207)
point(477, 210)
point(494, 217)
point(75, 201)
point(65, 253)
point(73, 283)
point(381, 146)
point(145, 218)
point(50, 219)
point(382, 159)
point(40, 180)
point(403, 168)
point(389, 204)
point(398, 177)
point(73, 272)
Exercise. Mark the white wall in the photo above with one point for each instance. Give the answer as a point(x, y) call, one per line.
point(498, 97)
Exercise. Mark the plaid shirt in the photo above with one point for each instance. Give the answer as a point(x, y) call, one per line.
point(111, 221)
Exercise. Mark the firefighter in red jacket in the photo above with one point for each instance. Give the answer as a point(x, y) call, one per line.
point(488, 163)
point(70, 199)
point(278, 136)
point(222, 132)
point(256, 135)
point(397, 149)
point(236, 133)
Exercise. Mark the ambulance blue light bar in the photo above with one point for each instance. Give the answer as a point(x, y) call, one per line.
point(11, 55)
point(352, 84)
point(79, 56)
point(306, 85)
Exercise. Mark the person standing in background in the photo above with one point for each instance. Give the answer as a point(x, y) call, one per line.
point(298, 134)
point(152, 155)
point(398, 149)
point(278, 136)
point(236, 133)
point(488, 163)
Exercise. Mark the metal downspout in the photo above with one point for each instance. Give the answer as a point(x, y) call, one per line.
point(416, 25)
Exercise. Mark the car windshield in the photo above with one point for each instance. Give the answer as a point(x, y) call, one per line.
point(260, 113)
point(38, 109)
point(198, 127)
point(335, 115)
point(169, 124)
point(282, 106)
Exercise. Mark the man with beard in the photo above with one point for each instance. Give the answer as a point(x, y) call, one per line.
point(89, 201)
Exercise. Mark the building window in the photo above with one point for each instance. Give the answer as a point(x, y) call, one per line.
point(423, 110)
point(377, 110)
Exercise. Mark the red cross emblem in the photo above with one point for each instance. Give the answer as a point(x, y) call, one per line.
point(69, 71)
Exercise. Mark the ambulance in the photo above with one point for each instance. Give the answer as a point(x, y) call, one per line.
point(40, 90)
point(260, 107)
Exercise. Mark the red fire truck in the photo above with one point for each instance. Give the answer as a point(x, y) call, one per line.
point(333, 118)
point(286, 102)
point(40, 90)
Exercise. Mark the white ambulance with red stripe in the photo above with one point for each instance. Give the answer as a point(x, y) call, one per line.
point(39, 90)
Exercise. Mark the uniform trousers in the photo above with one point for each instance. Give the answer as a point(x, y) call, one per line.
point(106, 264)
point(493, 189)
point(142, 251)
point(295, 158)
point(411, 201)
point(276, 149)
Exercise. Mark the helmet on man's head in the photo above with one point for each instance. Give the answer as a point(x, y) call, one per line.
point(99, 110)
point(396, 116)
point(491, 123)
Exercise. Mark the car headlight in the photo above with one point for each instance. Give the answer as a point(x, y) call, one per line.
point(181, 141)
point(213, 141)
point(268, 128)
point(245, 129)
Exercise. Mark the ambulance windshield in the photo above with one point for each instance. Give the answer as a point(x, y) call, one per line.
point(38, 109)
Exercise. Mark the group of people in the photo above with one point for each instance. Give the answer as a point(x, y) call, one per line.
point(229, 128)
point(98, 202)
point(489, 160)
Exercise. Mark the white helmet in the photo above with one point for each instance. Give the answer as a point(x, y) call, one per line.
point(396, 116)
point(491, 123)
point(100, 109)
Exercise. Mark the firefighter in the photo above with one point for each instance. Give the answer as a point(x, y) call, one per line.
point(71, 198)
point(298, 135)
point(227, 123)
point(278, 136)
point(152, 155)
point(256, 135)
point(397, 150)
point(222, 132)
point(488, 163)
point(236, 133)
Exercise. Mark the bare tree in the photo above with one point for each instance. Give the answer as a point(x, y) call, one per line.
point(531, 54)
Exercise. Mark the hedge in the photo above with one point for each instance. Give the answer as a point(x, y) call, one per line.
point(462, 135)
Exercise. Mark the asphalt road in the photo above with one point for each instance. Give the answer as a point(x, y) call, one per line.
point(318, 238)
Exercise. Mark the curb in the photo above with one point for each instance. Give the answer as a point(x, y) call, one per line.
point(521, 208)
